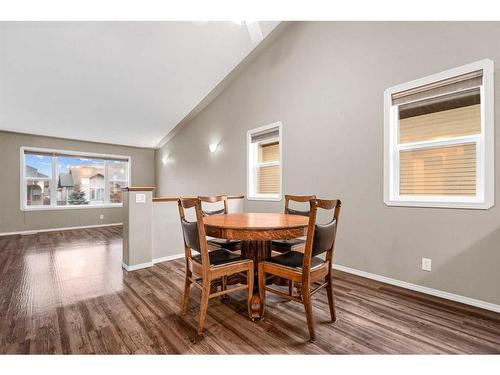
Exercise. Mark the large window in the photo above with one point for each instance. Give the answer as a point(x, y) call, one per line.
point(264, 162)
point(63, 179)
point(439, 140)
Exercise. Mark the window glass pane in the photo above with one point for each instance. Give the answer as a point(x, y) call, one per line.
point(269, 152)
point(38, 165)
point(447, 170)
point(268, 180)
point(117, 170)
point(79, 180)
point(37, 192)
point(447, 116)
point(115, 191)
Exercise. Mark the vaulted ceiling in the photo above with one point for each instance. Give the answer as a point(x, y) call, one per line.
point(125, 83)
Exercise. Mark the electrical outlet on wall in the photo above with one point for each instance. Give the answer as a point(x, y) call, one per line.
point(427, 264)
point(101, 216)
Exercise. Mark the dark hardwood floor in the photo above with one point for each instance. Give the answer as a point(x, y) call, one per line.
point(65, 292)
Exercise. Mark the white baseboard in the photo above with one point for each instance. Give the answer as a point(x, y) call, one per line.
point(34, 231)
point(150, 264)
point(137, 266)
point(167, 258)
point(422, 289)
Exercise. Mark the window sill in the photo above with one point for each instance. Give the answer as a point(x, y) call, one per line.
point(427, 204)
point(74, 207)
point(276, 198)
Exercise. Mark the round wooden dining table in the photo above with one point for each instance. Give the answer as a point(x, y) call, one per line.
point(256, 231)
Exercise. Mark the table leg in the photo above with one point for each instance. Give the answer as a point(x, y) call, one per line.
point(257, 251)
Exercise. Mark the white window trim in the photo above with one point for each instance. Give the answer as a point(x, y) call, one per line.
point(251, 170)
point(485, 145)
point(52, 179)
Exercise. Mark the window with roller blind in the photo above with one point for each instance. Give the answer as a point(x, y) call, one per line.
point(264, 163)
point(439, 140)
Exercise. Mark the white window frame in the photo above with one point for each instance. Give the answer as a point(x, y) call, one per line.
point(485, 145)
point(53, 196)
point(252, 164)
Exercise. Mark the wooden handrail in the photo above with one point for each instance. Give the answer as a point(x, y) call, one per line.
point(138, 188)
point(174, 199)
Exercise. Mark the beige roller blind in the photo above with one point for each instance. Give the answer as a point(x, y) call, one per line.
point(449, 170)
point(444, 124)
point(268, 177)
point(268, 180)
point(269, 152)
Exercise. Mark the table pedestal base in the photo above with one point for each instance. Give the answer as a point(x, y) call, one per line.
point(257, 251)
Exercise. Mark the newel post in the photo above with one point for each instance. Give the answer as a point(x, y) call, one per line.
point(137, 228)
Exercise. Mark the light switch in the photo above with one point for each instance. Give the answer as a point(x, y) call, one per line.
point(427, 264)
point(140, 198)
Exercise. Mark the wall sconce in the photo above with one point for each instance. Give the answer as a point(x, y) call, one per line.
point(164, 160)
point(213, 147)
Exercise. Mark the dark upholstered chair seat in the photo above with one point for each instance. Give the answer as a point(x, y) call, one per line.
point(231, 245)
point(294, 259)
point(219, 257)
point(283, 246)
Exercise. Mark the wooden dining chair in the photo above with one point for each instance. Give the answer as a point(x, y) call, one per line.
point(231, 245)
point(283, 246)
point(205, 267)
point(307, 268)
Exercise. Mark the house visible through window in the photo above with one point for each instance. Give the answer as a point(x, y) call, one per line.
point(264, 162)
point(439, 140)
point(53, 179)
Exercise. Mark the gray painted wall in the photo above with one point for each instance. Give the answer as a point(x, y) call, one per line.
point(325, 82)
point(12, 219)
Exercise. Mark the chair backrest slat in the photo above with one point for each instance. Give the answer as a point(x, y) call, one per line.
point(194, 232)
point(190, 232)
point(324, 236)
point(320, 237)
point(215, 199)
point(297, 198)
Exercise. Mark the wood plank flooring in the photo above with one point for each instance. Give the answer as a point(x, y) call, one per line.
point(65, 292)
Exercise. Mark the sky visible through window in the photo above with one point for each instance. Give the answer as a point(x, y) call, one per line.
point(64, 162)
point(40, 162)
point(43, 163)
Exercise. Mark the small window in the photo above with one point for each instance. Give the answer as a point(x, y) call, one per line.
point(439, 141)
point(62, 179)
point(264, 163)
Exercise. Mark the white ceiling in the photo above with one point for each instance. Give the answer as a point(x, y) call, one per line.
point(126, 83)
